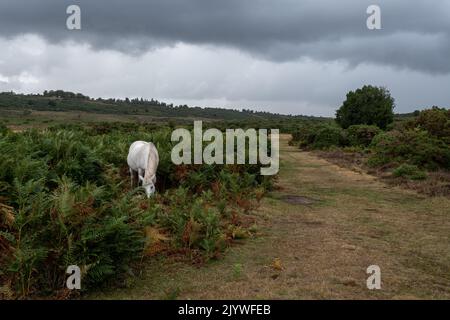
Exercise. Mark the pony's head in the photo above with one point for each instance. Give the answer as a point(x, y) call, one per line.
point(148, 183)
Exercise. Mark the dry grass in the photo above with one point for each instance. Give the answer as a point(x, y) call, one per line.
point(437, 183)
point(320, 251)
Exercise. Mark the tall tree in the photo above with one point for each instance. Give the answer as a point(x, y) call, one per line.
point(368, 105)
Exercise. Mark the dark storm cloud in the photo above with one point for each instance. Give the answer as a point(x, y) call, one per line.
point(415, 34)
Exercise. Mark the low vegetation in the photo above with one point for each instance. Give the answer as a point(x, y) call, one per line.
point(412, 149)
point(65, 200)
point(63, 101)
point(415, 147)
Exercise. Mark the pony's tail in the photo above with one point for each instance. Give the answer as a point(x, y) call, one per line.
point(152, 147)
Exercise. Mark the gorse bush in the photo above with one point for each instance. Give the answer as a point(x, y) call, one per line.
point(409, 171)
point(305, 135)
point(325, 136)
point(328, 137)
point(318, 136)
point(65, 200)
point(415, 147)
point(361, 135)
point(436, 121)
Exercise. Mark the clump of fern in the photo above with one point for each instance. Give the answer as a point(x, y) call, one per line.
point(65, 200)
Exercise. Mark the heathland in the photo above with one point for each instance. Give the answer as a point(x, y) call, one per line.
point(369, 187)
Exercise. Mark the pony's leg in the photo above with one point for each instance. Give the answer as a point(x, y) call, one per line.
point(140, 175)
point(132, 177)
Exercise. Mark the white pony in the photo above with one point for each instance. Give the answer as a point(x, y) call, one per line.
point(143, 158)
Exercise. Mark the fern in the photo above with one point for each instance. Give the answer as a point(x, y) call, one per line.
point(69, 191)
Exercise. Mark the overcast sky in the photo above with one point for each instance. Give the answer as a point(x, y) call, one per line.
point(286, 56)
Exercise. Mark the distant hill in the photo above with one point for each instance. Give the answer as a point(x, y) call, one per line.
point(68, 101)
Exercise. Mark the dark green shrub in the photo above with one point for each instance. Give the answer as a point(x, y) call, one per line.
point(305, 135)
point(3, 129)
point(416, 147)
point(328, 137)
point(409, 171)
point(400, 125)
point(368, 105)
point(318, 136)
point(436, 121)
point(361, 135)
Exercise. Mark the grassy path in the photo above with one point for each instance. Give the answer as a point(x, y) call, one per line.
point(320, 250)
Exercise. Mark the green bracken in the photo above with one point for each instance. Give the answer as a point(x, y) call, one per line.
point(65, 200)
